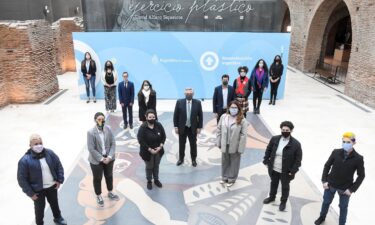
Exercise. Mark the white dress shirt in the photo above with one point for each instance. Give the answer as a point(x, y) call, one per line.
point(225, 98)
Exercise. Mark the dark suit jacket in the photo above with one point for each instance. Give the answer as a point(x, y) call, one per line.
point(151, 104)
point(126, 95)
point(292, 155)
point(92, 68)
point(217, 100)
point(196, 118)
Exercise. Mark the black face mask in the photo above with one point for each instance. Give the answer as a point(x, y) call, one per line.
point(285, 134)
point(225, 82)
point(189, 97)
point(100, 127)
point(151, 122)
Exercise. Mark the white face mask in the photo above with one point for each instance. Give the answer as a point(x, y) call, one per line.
point(243, 74)
point(146, 87)
point(260, 65)
point(37, 148)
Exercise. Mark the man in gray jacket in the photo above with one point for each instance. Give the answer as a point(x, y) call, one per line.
point(101, 145)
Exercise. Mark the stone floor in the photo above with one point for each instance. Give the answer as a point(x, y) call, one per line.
point(320, 115)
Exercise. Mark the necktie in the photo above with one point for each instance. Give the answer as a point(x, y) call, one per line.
point(188, 123)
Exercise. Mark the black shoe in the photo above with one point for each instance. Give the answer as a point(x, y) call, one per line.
point(149, 185)
point(270, 103)
point(125, 126)
point(255, 111)
point(274, 103)
point(131, 126)
point(282, 206)
point(94, 100)
point(320, 220)
point(194, 163)
point(158, 183)
point(60, 221)
point(179, 162)
point(268, 200)
point(113, 197)
point(258, 111)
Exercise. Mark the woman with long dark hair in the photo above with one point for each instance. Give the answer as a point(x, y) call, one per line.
point(146, 100)
point(109, 80)
point(276, 71)
point(88, 69)
point(231, 139)
point(259, 83)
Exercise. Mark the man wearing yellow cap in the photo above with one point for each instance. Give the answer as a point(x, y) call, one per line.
point(338, 176)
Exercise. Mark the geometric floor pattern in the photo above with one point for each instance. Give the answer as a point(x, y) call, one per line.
point(189, 195)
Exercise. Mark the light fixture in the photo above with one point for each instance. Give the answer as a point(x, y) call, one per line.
point(289, 28)
point(241, 17)
point(218, 17)
point(205, 17)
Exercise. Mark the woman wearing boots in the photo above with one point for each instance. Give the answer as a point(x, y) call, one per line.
point(259, 83)
point(276, 71)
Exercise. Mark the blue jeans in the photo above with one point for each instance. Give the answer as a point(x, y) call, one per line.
point(328, 196)
point(89, 82)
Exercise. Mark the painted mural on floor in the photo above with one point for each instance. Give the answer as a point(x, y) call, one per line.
point(190, 195)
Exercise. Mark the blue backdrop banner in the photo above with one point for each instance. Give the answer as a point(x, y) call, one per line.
point(172, 61)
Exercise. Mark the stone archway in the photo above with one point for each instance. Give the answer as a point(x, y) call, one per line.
point(316, 32)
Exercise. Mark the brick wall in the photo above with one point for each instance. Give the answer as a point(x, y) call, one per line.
point(309, 20)
point(62, 30)
point(27, 71)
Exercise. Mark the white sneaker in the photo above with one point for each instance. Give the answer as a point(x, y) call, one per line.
point(230, 184)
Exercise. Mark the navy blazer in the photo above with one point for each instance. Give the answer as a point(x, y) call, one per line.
point(126, 95)
point(217, 100)
point(196, 116)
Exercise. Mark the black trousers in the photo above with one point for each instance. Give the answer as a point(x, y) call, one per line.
point(97, 172)
point(125, 110)
point(257, 98)
point(274, 87)
point(187, 133)
point(276, 177)
point(220, 113)
point(40, 204)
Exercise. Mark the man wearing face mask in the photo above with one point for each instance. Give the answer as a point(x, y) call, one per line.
point(242, 89)
point(40, 174)
point(101, 145)
point(188, 122)
point(223, 94)
point(338, 176)
point(283, 158)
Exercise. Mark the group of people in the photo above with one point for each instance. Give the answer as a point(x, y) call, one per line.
point(243, 86)
point(40, 172)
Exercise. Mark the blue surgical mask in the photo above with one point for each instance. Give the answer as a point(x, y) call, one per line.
point(347, 146)
point(233, 111)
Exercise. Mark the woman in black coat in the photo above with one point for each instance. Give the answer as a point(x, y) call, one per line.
point(276, 71)
point(146, 100)
point(151, 137)
point(88, 69)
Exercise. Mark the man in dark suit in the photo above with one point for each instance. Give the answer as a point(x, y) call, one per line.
point(223, 94)
point(283, 158)
point(126, 97)
point(188, 122)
